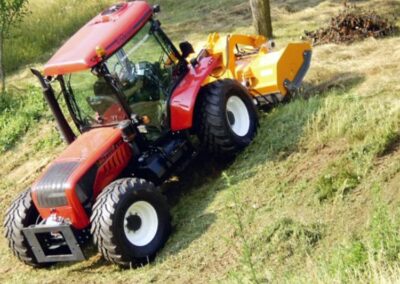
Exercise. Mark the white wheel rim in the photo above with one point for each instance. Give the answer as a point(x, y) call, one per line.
point(238, 116)
point(144, 232)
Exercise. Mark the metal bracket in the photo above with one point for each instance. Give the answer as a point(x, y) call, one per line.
point(31, 234)
point(294, 85)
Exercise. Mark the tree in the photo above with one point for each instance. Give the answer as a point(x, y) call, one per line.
point(261, 10)
point(11, 12)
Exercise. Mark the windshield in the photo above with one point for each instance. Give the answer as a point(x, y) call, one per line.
point(93, 101)
point(145, 69)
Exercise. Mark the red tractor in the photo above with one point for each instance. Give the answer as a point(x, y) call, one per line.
point(142, 110)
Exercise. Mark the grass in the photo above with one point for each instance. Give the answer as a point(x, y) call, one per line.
point(372, 257)
point(314, 199)
point(19, 113)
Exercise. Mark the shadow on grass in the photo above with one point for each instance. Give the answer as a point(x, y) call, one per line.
point(189, 196)
point(90, 251)
point(341, 82)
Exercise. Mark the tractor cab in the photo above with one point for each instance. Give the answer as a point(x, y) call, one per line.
point(110, 72)
point(135, 80)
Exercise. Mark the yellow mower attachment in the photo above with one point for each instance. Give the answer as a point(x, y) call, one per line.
point(251, 60)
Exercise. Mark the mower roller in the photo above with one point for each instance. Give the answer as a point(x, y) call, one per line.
point(134, 110)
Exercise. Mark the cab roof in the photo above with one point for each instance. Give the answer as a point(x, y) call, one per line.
point(108, 31)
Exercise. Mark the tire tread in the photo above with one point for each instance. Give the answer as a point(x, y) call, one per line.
point(17, 217)
point(211, 124)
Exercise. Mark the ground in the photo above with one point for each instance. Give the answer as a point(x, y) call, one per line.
point(315, 197)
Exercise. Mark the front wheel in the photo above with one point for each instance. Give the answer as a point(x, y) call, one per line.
point(130, 222)
point(227, 119)
point(20, 215)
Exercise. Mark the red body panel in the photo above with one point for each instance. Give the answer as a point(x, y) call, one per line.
point(184, 97)
point(109, 32)
point(102, 147)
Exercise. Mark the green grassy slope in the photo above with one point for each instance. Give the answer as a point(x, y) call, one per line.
point(315, 197)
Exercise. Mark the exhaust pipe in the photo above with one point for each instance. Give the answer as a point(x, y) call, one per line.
point(62, 124)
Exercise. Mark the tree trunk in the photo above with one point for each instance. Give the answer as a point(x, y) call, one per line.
point(262, 22)
point(2, 71)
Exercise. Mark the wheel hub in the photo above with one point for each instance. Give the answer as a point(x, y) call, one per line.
point(231, 118)
point(238, 116)
point(134, 222)
point(140, 223)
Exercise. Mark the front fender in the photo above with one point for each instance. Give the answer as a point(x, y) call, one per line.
point(183, 99)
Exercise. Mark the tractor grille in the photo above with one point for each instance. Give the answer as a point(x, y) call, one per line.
point(51, 187)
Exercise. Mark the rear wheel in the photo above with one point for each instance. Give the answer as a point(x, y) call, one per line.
point(130, 222)
point(226, 119)
point(21, 214)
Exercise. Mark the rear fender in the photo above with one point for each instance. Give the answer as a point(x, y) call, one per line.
point(184, 97)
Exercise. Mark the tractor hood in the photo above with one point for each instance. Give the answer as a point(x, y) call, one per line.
point(90, 163)
point(106, 33)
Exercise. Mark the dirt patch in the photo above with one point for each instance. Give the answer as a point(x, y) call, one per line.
point(352, 25)
point(317, 160)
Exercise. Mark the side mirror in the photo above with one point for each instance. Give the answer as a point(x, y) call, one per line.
point(186, 49)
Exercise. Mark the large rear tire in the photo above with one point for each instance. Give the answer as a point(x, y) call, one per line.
point(227, 119)
point(21, 214)
point(130, 222)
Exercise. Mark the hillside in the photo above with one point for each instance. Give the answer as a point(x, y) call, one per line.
point(314, 199)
